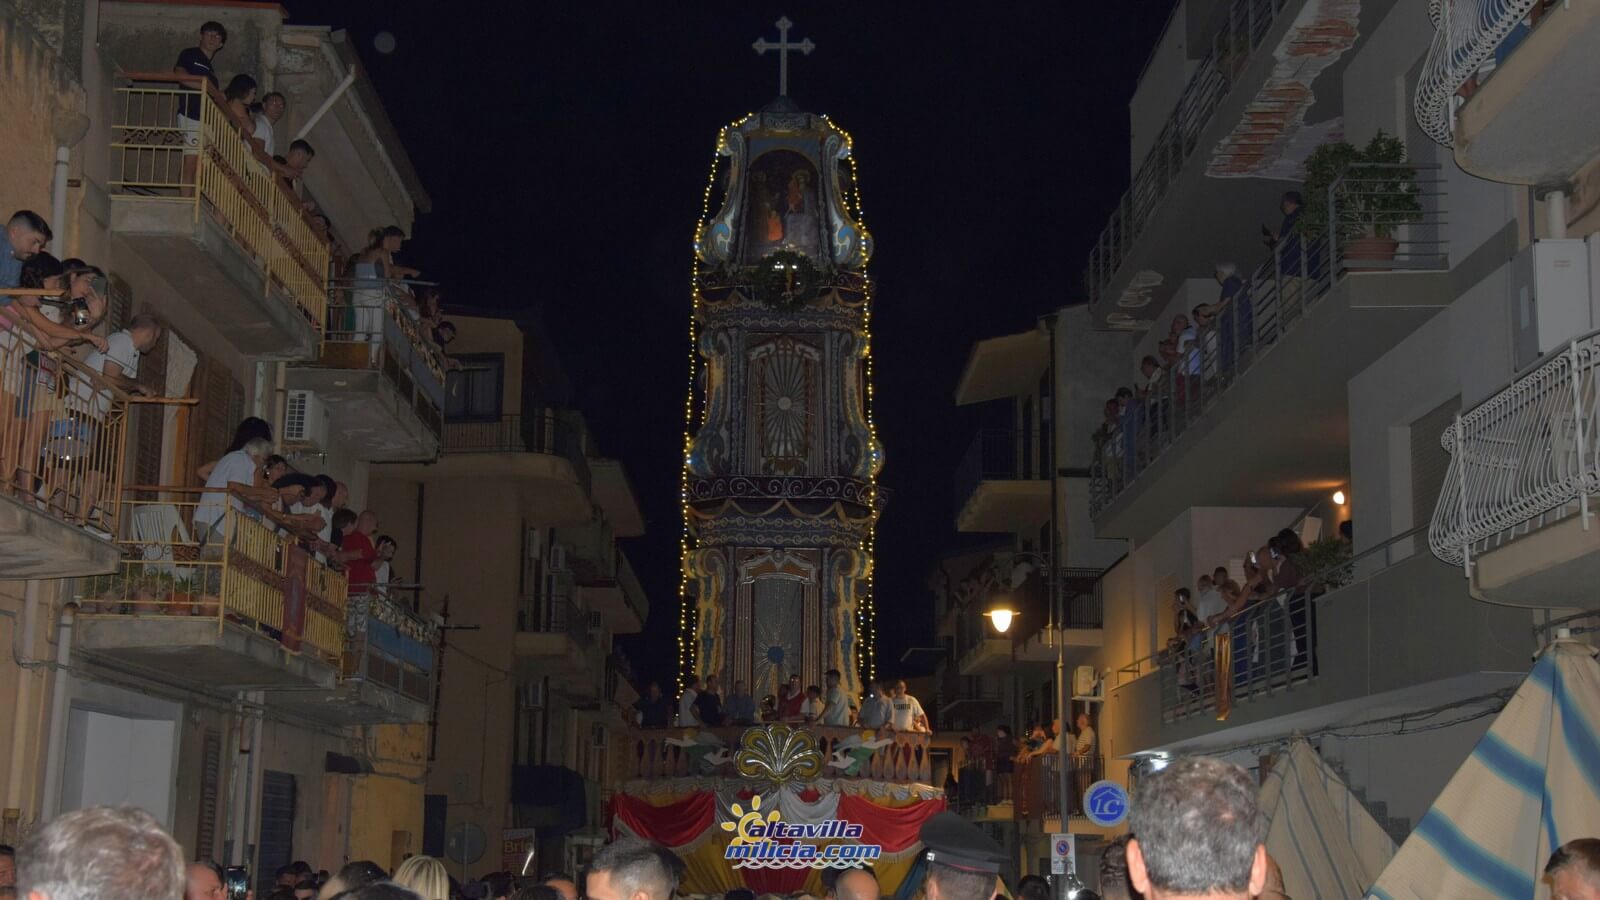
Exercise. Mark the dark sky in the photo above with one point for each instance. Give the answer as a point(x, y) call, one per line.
point(566, 147)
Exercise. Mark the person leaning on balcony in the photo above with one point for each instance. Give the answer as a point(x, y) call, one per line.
point(25, 234)
point(358, 554)
point(239, 96)
point(908, 714)
point(237, 473)
point(265, 116)
point(197, 61)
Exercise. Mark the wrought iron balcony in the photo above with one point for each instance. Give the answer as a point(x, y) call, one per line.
point(1516, 507)
point(63, 433)
point(200, 203)
point(249, 606)
point(1232, 47)
point(378, 371)
point(551, 432)
point(1381, 219)
point(1002, 482)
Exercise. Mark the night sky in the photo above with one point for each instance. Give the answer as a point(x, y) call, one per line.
point(566, 148)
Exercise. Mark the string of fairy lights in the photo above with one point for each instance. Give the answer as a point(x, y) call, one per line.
point(866, 611)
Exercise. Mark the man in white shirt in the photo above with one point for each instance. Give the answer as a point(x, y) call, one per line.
point(908, 714)
point(120, 363)
point(688, 716)
point(1210, 604)
point(837, 709)
point(234, 470)
point(272, 107)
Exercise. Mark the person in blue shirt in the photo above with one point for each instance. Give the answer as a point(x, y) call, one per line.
point(26, 233)
point(197, 61)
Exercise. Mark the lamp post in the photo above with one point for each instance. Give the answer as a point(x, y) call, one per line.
point(1001, 616)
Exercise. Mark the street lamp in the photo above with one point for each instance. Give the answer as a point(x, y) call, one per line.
point(1001, 616)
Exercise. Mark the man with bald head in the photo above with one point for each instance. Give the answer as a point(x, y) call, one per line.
point(202, 881)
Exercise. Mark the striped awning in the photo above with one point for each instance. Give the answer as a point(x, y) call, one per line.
point(1531, 785)
point(1323, 839)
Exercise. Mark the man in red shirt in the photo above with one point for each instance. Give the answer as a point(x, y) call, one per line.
point(791, 700)
point(359, 555)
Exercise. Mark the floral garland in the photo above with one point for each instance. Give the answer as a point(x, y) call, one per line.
point(784, 279)
point(372, 606)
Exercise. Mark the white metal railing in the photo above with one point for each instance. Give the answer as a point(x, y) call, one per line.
point(1468, 34)
point(1529, 452)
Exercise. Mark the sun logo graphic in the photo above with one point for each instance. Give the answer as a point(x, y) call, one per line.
point(744, 822)
point(762, 840)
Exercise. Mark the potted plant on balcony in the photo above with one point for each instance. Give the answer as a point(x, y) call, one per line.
point(148, 591)
point(180, 596)
point(1373, 191)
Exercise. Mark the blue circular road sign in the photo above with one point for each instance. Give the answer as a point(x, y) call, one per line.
point(1106, 804)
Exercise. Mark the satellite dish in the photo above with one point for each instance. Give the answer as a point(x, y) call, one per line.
point(464, 843)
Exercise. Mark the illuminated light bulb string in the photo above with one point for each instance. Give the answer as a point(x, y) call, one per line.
point(867, 612)
point(687, 613)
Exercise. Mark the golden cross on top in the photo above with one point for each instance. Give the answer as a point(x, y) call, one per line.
point(783, 46)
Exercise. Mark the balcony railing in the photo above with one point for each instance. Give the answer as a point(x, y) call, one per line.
point(373, 324)
point(543, 615)
point(230, 180)
point(389, 644)
point(256, 575)
point(550, 432)
point(1365, 233)
point(663, 753)
point(1526, 457)
point(1469, 33)
point(1232, 47)
point(999, 455)
point(1266, 647)
point(63, 432)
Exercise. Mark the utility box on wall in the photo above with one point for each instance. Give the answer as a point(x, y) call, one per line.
point(1551, 295)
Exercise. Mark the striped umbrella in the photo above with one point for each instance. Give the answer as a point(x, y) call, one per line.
point(1323, 839)
point(1531, 785)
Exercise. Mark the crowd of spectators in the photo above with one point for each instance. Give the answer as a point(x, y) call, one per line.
point(1002, 769)
point(1198, 354)
point(313, 508)
point(1262, 614)
point(887, 706)
point(366, 281)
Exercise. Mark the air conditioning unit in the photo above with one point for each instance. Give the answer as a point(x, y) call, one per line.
point(558, 558)
point(305, 421)
point(1551, 296)
point(1085, 680)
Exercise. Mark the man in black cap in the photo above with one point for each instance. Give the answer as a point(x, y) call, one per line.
point(963, 862)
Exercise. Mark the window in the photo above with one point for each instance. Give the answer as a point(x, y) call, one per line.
point(474, 393)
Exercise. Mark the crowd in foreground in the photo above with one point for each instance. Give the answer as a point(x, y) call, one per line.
point(1195, 833)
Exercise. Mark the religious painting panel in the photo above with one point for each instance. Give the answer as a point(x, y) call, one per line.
point(782, 210)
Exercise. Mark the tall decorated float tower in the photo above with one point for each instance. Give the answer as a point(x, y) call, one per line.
point(780, 499)
point(780, 495)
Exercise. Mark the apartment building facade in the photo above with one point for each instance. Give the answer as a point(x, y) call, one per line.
point(145, 671)
point(517, 528)
point(1414, 361)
